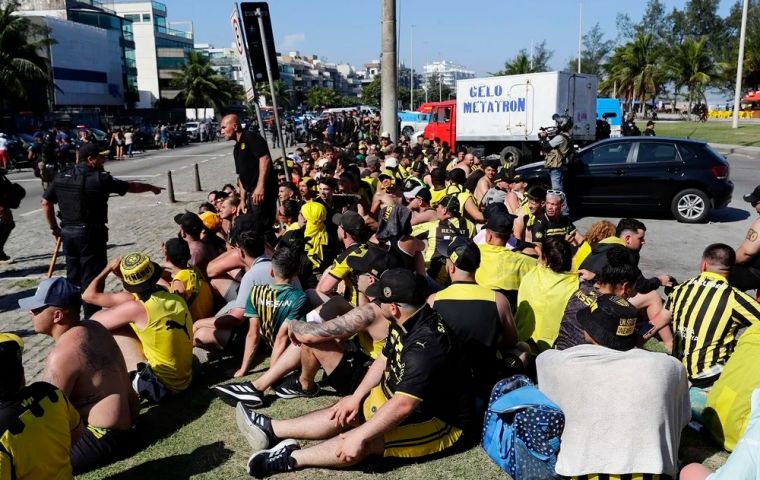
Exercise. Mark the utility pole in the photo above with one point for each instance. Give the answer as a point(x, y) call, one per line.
point(411, 67)
point(580, 33)
point(739, 65)
point(388, 72)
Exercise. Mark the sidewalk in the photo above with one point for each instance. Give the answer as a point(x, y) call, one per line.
point(138, 222)
point(727, 149)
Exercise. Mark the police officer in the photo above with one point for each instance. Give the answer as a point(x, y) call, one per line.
point(82, 197)
point(629, 128)
point(557, 152)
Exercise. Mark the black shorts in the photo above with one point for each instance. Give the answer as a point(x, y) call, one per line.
point(236, 343)
point(743, 278)
point(350, 371)
point(98, 447)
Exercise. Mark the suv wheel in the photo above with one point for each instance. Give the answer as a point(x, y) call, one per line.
point(690, 206)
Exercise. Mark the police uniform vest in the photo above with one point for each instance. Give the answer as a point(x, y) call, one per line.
point(70, 188)
point(556, 157)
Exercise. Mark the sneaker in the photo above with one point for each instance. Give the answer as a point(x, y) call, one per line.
point(290, 387)
point(245, 393)
point(255, 427)
point(275, 460)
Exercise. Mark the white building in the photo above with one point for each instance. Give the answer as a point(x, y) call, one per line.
point(449, 72)
point(160, 51)
point(223, 60)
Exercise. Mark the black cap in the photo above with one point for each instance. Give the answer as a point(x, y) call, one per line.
point(536, 192)
point(464, 253)
point(399, 285)
point(88, 150)
point(419, 166)
point(503, 176)
point(190, 223)
point(350, 221)
point(500, 222)
point(374, 261)
point(611, 322)
point(450, 203)
point(650, 122)
point(754, 196)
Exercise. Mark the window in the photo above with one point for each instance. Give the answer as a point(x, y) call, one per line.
point(146, 17)
point(657, 153)
point(609, 154)
point(132, 17)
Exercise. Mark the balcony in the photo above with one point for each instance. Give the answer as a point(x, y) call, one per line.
point(173, 32)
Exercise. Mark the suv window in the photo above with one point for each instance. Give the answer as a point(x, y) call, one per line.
point(650, 152)
point(609, 154)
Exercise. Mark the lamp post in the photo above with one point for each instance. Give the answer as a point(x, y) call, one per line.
point(411, 67)
point(739, 65)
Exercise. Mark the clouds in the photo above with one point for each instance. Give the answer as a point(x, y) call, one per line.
point(291, 41)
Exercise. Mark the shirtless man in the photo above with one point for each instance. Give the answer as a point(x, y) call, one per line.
point(745, 275)
point(486, 181)
point(466, 163)
point(88, 367)
point(191, 226)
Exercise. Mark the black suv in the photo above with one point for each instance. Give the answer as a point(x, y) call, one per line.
point(686, 177)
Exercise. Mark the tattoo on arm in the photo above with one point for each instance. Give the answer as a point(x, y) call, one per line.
point(353, 322)
point(751, 235)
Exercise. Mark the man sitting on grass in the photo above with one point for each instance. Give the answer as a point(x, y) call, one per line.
point(152, 327)
point(187, 281)
point(87, 366)
point(414, 401)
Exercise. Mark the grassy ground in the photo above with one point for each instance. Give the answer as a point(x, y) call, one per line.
point(194, 436)
point(748, 134)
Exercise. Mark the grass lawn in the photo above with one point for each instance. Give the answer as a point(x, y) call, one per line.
point(714, 131)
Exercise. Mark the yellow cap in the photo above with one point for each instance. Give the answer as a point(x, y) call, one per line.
point(12, 337)
point(138, 272)
point(211, 220)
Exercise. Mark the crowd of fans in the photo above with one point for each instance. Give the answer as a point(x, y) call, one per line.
point(414, 278)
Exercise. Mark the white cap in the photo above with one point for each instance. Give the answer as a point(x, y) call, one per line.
point(322, 162)
point(391, 162)
point(385, 135)
point(413, 192)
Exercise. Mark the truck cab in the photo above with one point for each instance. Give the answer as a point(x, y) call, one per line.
point(442, 122)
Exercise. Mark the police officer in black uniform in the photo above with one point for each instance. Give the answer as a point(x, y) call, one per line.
point(82, 197)
point(629, 128)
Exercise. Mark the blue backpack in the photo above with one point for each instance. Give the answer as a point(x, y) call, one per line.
point(522, 430)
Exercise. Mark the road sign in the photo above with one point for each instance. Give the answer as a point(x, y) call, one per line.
point(255, 45)
point(242, 53)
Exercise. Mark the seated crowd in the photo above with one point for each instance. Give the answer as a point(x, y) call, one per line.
point(407, 280)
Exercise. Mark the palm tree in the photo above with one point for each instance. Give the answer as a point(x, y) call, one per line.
point(519, 64)
point(691, 65)
point(635, 69)
point(200, 86)
point(281, 91)
point(20, 62)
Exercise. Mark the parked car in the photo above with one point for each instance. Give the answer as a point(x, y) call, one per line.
point(686, 177)
point(193, 131)
point(413, 122)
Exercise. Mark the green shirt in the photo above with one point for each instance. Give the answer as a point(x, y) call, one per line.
point(274, 305)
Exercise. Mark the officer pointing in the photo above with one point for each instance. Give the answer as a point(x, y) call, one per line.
point(82, 196)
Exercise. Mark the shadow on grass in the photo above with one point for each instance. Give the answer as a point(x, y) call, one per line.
point(179, 467)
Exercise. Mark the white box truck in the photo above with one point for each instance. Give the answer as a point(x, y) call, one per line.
point(502, 115)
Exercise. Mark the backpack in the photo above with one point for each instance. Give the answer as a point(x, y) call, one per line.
point(522, 430)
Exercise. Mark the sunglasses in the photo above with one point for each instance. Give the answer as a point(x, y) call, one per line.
point(559, 193)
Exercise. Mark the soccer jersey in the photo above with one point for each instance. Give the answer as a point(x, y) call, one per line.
point(544, 228)
point(341, 270)
point(707, 312)
point(36, 442)
point(273, 305)
point(197, 294)
point(501, 269)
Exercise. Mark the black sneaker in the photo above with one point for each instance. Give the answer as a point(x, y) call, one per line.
point(255, 427)
point(245, 393)
point(275, 460)
point(290, 387)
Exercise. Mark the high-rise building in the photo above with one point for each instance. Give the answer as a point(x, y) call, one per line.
point(223, 60)
point(160, 50)
point(92, 60)
point(449, 72)
point(309, 71)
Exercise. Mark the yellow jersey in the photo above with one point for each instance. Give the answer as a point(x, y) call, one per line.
point(502, 269)
point(197, 295)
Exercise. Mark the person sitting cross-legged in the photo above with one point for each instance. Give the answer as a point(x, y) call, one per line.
point(414, 401)
point(152, 327)
point(87, 366)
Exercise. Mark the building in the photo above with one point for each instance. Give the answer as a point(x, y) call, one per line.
point(301, 73)
point(93, 58)
point(223, 60)
point(160, 51)
point(449, 72)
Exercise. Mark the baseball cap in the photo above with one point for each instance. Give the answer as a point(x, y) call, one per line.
point(391, 162)
point(385, 135)
point(399, 285)
point(190, 222)
point(754, 196)
point(650, 122)
point(90, 150)
point(386, 174)
point(55, 292)
point(419, 192)
point(610, 321)
point(536, 193)
point(500, 222)
point(464, 253)
point(138, 272)
point(211, 221)
point(450, 203)
point(375, 261)
point(350, 221)
point(503, 176)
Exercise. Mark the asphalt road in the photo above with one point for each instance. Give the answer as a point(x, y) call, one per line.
point(671, 247)
point(149, 167)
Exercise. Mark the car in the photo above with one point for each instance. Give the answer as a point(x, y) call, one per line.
point(193, 131)
point(412, 122)
point(688, 178)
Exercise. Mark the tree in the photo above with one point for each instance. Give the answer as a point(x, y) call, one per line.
point(528, 62)
point(691, 65)
point(21, 66)
point(595, 50)
point(371, 92)
point(635, 69)
point(319, 97)
point(654, 21)
point(199, 84)
point(281, 91)
point(436, 89)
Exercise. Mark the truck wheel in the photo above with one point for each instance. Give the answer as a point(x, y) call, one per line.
point(510, 157)
point(407, 132)
point(690, 206)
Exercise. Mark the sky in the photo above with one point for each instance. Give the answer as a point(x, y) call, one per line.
point(479, 34)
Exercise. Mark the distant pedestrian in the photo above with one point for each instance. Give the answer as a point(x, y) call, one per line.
point(129, 141)
point(649, 130)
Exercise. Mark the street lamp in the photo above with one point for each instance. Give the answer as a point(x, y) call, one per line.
point(580, 33)
point(411, 67)
point(740, 64)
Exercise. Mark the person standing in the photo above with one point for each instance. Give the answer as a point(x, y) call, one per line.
point(253, 164)
point(129, 141)
point(82, 196)
point(557, 152)
point(3, 151)
point(649, 130)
